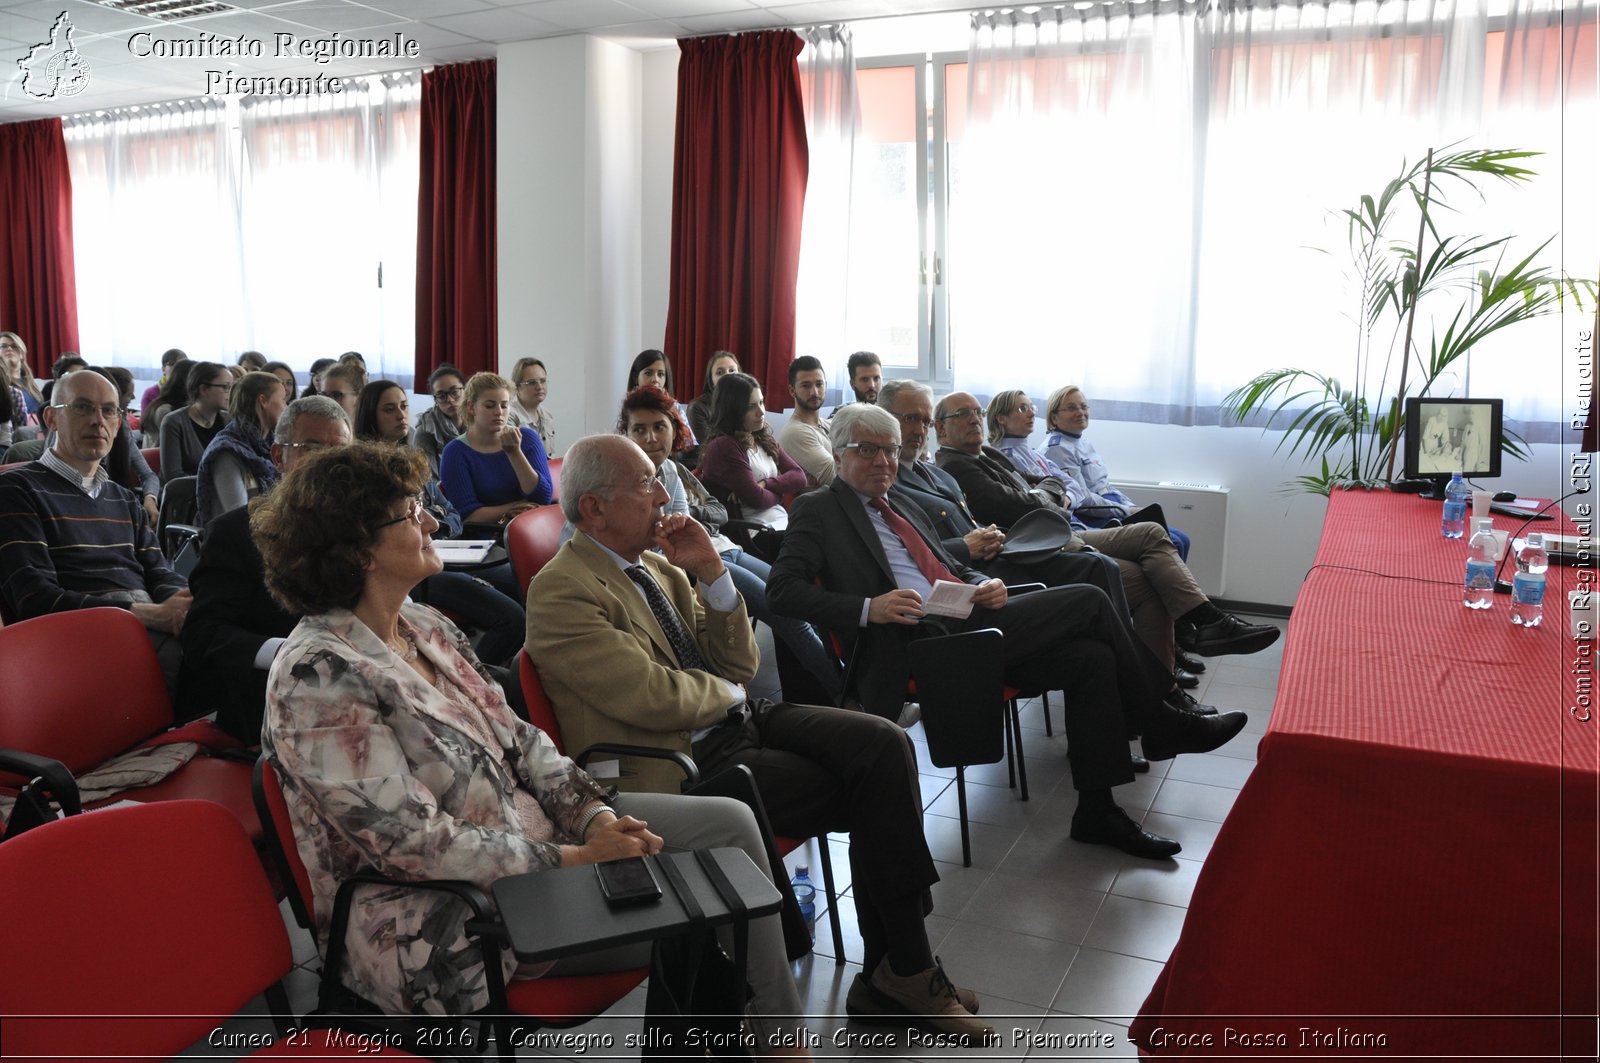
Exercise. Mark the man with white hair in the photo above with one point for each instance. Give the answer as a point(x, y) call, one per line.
point(876, 562)
point(632, 652)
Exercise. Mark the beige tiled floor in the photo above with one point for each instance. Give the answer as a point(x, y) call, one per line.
point(1061, 940)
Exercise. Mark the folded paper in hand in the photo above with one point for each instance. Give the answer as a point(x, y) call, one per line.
point(949, 599)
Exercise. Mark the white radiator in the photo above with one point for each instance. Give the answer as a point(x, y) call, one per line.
point(1202, 511)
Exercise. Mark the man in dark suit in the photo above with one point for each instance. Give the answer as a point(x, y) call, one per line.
point(876, 563)
point(942, 501)
point(235, 627)
point(1149, 561)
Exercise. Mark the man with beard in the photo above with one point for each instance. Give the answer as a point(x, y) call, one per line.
point(805, 435)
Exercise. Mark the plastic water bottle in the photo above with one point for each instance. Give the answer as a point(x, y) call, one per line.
point(806, 894)
point(1527, 586)
point(1456, 494)
point(1480, 567)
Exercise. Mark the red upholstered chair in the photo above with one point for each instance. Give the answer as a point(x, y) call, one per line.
point(84, 686)
point(532, 539)
point(542, 715)
point(148, 960)
point(152, 458)
point(566, 1000)
point(555, 479)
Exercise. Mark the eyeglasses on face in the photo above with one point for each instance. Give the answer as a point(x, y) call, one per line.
point(645, 486)
point(531, 384)
point(414, 511)
point(226, 386)
point(962, 414)
point(873, 451)
point(1023, 408)
point(1073, 407)
point(449, 393)
point(916, 419)
point(82, 408)
point(309, 447)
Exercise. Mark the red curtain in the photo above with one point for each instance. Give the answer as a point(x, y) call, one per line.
point(38, 281)
point(738, 187)
point(457, 283)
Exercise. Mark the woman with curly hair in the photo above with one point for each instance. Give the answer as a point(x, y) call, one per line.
point(398, 753)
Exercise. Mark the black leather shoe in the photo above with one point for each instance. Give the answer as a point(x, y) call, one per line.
point(1184, 702)
point(1140, 765)
point(1228, 635)
point(1185, 678)
point(1116, 829)
point(1189, 663)
point(1174, 731)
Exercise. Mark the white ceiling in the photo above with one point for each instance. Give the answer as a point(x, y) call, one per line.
point(445, 30)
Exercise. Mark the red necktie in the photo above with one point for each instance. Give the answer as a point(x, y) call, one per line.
point(931, 567)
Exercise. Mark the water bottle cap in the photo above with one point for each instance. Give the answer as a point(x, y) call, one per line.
point(802, 869)
point(1484, 524)
point(1534, 540)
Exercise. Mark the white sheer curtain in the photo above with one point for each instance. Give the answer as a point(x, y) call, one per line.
point(822, 294)
point(155, 227)
point(343, 168)
point(1157, 183)
point(219, 226)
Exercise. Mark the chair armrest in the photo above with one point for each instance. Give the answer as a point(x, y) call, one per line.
point(1024, 588)
point(742, 524)
point(51, 776)
point(691, 773)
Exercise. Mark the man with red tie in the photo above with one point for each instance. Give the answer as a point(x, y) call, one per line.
point(854, 561)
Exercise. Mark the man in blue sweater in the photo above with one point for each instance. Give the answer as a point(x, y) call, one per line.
point(73, 538)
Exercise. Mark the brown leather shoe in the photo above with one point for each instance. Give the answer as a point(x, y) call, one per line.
point(928, 996)
point(866, 1002)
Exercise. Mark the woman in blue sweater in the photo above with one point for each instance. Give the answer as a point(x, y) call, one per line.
point(493, 470)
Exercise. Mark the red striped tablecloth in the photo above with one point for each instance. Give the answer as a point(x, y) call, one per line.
point(1410, 869)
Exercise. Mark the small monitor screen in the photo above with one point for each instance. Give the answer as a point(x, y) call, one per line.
point(1444, 436)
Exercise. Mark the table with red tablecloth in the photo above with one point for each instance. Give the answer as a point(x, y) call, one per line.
point(1410, 869)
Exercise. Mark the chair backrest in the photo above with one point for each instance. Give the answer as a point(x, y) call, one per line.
point(541, 713)
point(555, 479)
point(152, 458)
point(178, 502)
point(133, 932)
point(24, 451)
point(278, 829)
point(80, 686)
point(960, 682)
point(532, 539)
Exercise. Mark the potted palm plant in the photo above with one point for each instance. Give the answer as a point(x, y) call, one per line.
point(1464, 284)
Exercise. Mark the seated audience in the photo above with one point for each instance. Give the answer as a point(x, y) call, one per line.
point(253, 362)
point(441, 422)
point(493, 470)
point(528, 409)
point(383, 415)
point(238, 465)
point(314, 385)
point(169, 358)
point(71, 537)
point(862, 565)
point(125, 462)
point(865, 371)
point(189, 430)
point(399, 755)
point(651, 419)
point(805, 435)
point(235, 627)
point(354, 358)
point(68, 361)
point(722, 363)
point(741, 463)
point(1066, 452)
point(174, 396)
point(650, 368)
point(1001, 495)
point(342, 382)
point(631, 650)
point(15, 354)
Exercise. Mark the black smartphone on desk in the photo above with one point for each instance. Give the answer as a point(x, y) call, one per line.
point(627, 881)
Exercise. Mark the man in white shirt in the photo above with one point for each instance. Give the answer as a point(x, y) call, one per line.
point(805, 434)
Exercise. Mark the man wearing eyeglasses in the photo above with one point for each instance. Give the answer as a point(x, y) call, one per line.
point(859, 562)
point(235, 627)
point(73, 538)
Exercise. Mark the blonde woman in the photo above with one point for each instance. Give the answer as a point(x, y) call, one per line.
point(494, 469)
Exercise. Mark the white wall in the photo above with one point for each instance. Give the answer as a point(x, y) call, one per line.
point(660, 123)
point(568, 165)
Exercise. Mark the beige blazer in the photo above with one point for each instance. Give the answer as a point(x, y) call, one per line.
point(609, 669)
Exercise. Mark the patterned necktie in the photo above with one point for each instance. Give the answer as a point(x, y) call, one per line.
point(930, 566)
point(672, 625)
